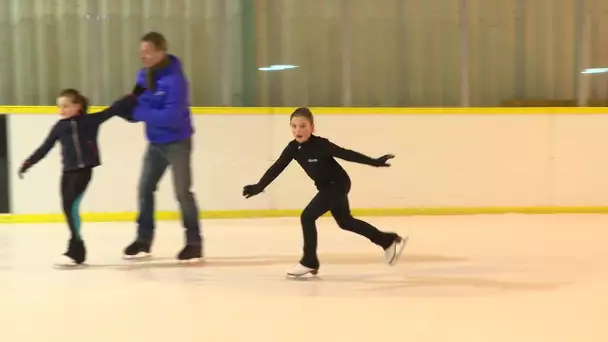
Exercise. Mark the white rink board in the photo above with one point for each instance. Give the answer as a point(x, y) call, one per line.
point(480, 160)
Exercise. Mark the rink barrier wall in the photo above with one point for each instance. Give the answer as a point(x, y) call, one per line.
point(416, 142)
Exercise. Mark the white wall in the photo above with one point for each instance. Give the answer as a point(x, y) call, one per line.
point(442, 161)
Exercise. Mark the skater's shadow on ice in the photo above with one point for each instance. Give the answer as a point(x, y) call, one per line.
point(457, 282)
point(274, 260)
point(444, 278)
point(401, 284)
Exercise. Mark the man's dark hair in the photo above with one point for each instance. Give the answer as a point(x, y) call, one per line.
point(156, 39)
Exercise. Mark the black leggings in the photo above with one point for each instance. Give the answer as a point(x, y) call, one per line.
point(73, 185)
point(335, 199)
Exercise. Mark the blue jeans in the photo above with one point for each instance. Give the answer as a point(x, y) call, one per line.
point(158, 157)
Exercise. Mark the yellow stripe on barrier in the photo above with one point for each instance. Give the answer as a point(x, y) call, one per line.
point(51, 110)
point(243, 214)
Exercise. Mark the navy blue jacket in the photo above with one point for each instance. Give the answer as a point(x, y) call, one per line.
point(78, 137)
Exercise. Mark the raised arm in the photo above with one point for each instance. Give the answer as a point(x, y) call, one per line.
point(352, 156)
point(271, 174)
point(41, 151)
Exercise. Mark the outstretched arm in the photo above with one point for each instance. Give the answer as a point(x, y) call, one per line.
point(271, 174)
point(41, 151)
point(277, 167)
point(352, 156)
point(123, 107)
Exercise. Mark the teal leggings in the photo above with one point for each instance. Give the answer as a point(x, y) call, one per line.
point(73, 185)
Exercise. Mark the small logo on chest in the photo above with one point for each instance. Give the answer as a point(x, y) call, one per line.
point(313, 160)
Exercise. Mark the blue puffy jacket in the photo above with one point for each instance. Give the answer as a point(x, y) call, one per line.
point(166, 109)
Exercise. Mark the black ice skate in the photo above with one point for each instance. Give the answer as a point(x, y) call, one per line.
point(190, 253)
point(137, 250)
point(75, 255)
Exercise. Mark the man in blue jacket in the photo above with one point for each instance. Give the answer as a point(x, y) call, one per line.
point(164, 108)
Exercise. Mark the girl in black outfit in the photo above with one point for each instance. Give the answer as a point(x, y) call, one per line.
point(316, 156)
point(77, 132)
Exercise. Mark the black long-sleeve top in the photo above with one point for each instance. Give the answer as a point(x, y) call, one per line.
point(316, 157)
point(78, 136)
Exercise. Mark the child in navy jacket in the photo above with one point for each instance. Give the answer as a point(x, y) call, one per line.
point(77, 133)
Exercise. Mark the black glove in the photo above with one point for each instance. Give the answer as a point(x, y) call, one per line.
point(128, 116)
point(138, 90)
point(251, 190)
point(382, 161)
point(23, 169)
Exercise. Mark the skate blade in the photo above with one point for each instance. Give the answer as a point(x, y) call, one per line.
point(299, 275)
point(190, 261)
point(70, 266)
point(400, 251)
point(138, 257)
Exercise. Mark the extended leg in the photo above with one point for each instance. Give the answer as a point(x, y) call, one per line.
point(345, 220)
point(391, 243)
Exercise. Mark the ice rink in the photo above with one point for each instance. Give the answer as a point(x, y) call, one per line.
point(494, 278)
